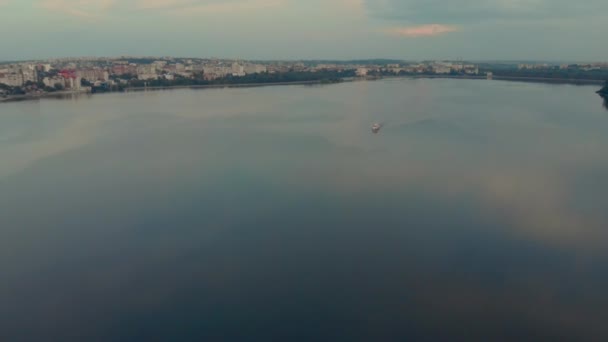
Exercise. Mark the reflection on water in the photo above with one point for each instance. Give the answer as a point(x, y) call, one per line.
point(478, 212)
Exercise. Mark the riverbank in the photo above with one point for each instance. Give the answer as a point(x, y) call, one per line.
point(604, 91)
point(463, 77)
point(58, 95)
point(65, 94)
point(511, 78)
point(236, 85)
point(549, 80)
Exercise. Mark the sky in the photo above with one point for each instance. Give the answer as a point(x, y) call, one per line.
point(552, 30)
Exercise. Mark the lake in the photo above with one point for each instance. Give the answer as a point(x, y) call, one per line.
point(479, 212)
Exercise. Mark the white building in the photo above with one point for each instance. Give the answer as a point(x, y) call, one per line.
point(457, 67)
point(146, 69)
point(361, 72)
point(254, 68)
point(237, 69)
point(213, 72)
point(146, 77)
point(442, 69)
point(471, 69)
point(52, 81)
point(12, 79)
point(93, 75)
point(159, 64)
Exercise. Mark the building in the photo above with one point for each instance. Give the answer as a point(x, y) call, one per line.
point(159, 64)
point(17, 75)
point(254, 68)
point(442, 69)
point(210, 77)
point(146, 69)
point(124, 69)
point(471, 69)
point(532, 66)
point(147, 72)
point(147, 77)
point(215, 72)
point(237, 69)
point(93, 75)
point(52, 81)
point(457, 67)
point(362, 72)
point(12, 79)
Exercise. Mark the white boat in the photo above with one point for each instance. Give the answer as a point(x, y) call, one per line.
point(376, 127)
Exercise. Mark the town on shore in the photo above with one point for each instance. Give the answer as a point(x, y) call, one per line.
point(92, 75)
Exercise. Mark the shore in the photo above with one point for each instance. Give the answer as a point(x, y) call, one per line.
point(65, 94)
point(58, 95)
point(236, 85)
point(461, 77)
point(512, 78)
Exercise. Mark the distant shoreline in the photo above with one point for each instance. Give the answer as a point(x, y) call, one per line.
point(233, 85)
point(63, 94)
point(27, 97)
point(573, 81)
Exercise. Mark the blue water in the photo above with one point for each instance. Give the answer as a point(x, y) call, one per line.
point(479, 212)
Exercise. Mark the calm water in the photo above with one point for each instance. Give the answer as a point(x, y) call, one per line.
point(274, 214)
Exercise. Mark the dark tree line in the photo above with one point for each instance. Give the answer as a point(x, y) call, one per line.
point(260, 78)
point(604, 91)
point(576, 74)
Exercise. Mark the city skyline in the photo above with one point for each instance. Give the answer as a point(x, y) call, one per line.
point(296, 30)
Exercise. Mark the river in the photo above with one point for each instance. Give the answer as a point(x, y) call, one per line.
point(478, 212)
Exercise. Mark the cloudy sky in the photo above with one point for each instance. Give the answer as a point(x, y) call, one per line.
point(560, 30)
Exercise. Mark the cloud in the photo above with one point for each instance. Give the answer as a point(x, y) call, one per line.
point(471, 11)
point(198, 7)
point(89, 9)
point(229, 7)
point(421, 31)
point(163, 4)
point(350, 6)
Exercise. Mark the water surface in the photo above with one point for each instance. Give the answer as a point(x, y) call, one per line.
point(269, 214)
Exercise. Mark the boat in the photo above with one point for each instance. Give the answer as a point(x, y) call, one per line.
point(376, 128)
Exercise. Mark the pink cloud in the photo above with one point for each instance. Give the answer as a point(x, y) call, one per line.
point(89, 9)
point(198, 7)
point(228, 7)
point(162, 4)
point(352, 6)
point(421, 31)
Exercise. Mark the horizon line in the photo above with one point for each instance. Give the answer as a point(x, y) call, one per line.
point(301, 59)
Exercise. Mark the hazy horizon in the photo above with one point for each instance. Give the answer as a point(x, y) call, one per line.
point(355, 59)
point(304, 30)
